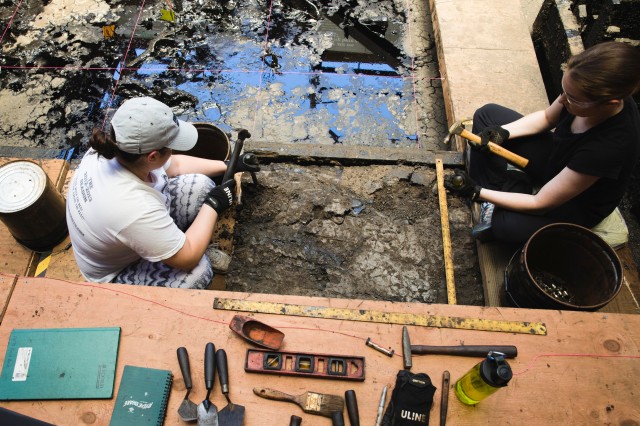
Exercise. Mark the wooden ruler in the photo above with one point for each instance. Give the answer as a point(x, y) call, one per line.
point(446, 234)
point(524, 327)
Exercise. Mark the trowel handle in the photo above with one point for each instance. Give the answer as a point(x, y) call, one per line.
point(223, 370)
point(209, 365)
point(466, 350)
point(183, 360)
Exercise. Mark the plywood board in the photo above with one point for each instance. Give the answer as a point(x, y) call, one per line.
point(6, 289)
point(582, 370)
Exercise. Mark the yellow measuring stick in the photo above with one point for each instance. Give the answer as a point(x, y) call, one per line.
point(524, 327)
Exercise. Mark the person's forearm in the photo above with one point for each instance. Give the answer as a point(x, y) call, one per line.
point(201, 229)
point(528, 125)
point(183, 164)
point(198, 237)
point(536, 122)
point(511, 200)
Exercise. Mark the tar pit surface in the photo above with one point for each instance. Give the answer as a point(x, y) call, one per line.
point(333, 72)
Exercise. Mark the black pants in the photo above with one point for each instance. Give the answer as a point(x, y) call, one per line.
point(491, 171)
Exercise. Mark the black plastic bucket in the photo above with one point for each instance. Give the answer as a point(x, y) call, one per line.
point(212, 144)
point(30, 206)
point(563, 266)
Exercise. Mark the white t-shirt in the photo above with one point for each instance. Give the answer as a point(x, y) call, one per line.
point(114, 218)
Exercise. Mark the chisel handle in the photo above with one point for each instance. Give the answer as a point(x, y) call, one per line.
point(466, 350)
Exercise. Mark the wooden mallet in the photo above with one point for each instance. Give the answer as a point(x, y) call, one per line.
point(458, 129)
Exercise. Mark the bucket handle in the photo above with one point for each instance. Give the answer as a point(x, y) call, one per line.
point(506, 279)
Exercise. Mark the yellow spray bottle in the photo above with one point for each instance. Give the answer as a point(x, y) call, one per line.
point(483, 379)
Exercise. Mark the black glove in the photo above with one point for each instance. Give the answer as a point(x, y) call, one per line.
point(461, 184)
point(247, 162)
point(221, 197)
point(495, 134)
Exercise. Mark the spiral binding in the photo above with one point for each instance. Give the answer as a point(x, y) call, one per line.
point(165, 399)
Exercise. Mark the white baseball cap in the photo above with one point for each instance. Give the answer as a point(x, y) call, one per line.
point(144, 124)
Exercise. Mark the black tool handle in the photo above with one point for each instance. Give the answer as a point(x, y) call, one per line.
point(223, 370)
point(444, 397)
point(337, 418)
point(209, 365)
point(295, 421)
point(352, 407)
point(183, 360)
point(237, 148)
point(466, 350)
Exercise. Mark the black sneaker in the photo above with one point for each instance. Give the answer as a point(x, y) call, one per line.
point(482, 230)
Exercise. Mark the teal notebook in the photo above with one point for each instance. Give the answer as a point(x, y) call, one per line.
point(60, 363)
point(142, 397)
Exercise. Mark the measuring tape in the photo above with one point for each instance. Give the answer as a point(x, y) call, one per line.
point(524, 327)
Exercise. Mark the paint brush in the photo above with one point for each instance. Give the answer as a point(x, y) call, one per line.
point(310, 402)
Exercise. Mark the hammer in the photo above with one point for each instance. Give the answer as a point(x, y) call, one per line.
point(458, 129)
point(230, 173)
point(467, 350)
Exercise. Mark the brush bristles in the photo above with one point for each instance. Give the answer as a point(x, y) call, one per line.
point(323, 404)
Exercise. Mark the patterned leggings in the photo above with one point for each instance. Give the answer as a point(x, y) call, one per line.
point(185, 195)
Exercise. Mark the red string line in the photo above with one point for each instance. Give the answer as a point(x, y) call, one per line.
point(535, 358)
point(413, 74)
point(262, 66)
point(123, 62)
point(10, 21)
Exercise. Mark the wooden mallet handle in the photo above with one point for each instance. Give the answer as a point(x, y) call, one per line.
point(497, 149)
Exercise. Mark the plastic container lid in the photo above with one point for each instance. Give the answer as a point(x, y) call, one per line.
point(495, 371)
point(21, 184)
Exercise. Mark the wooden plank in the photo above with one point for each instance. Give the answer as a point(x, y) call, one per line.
point(6, 289)
point(62, 264)
point(582, 370)
point(353, 153)
point(474, 70)
point(627, 300)
point(493, 258)
point(17, 259)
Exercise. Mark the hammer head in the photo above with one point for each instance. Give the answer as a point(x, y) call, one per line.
point(244, 134)
point(456, 128)
point(406, 348)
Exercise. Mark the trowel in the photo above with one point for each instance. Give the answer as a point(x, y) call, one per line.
point(207, 412)
point(232, 414)
point(188, 409)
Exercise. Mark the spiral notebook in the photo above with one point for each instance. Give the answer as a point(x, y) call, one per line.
point(142, 397)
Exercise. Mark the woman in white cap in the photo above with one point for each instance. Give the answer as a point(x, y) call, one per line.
point(138, 214)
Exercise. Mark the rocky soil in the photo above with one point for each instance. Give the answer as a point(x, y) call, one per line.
point(367, 232)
